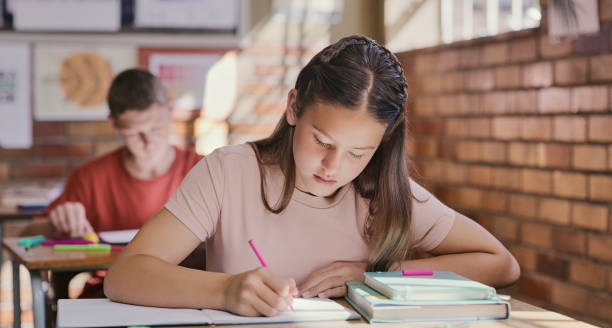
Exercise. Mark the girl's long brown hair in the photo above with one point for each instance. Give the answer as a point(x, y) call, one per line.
point(352, 72)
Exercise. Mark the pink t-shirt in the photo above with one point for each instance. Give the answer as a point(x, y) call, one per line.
point(220, 202)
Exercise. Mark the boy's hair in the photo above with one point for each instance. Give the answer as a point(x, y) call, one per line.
point(356, 72)
point(135, 89)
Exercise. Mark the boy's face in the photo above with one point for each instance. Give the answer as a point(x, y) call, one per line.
point(146, 132)
point(331, 145)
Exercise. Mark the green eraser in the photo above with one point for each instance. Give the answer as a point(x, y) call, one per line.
point(88, 247)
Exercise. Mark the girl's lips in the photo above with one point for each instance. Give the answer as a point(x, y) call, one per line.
point(321, 180)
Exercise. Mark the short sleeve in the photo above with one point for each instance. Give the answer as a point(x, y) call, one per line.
point(198, 200)
point(431, 219)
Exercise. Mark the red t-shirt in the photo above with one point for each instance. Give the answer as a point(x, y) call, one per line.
point(116, 200)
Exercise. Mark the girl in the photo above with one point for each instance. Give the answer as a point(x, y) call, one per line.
point(326, 197)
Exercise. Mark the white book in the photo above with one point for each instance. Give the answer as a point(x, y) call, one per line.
point(102, 312)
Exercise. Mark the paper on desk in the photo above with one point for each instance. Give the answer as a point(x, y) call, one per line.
point(118, 236)
point(102, 312)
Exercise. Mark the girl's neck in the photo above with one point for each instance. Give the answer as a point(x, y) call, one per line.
point(149, 168)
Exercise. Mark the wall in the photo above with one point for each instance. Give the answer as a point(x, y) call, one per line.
point(514, 131)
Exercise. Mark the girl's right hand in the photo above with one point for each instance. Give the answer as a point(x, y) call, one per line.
point(258, 292)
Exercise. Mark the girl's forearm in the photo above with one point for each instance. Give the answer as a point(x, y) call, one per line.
point(497, 270)
point(147, 280)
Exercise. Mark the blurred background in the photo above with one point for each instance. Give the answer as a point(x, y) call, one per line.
point(510, 107)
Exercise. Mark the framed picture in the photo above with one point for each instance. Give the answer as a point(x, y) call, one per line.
point(197, 80)
point(71, 81)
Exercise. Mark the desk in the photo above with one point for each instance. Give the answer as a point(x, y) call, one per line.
point(11, 214)
point(41, 258)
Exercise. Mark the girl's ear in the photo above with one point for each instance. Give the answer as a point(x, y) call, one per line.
point(291, 110)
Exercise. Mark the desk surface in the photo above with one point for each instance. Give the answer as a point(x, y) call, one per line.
point(44, 257)
point(523, 315)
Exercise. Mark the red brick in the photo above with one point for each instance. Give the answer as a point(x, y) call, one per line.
point(425, 63)
point(536, 181)
point(536, 286)
point(431, 84)
point(452, 82)
point(480, 175)
point(426, 147)
point(455, 172)
point(523, 206)
point(90, 129)
point(552, 266)
point(554, 49)
point(601, 68)
point(600, 187)
point(553, 100)
point(17, 153)
point(536, 234)
point(493, 152)
point(447, 149)
point(456, 128)
point(569, 128)
point(599, 247)
point(507, 178)
point(599, 305)
point(507, 77)
point(554, 210)
point(588, 274)
point(5, 171)
point(105, 147)
point(66, 149)
point(505, 228)
point(590, 216)
point(38, 170)
point(469, 57)
point(431, 170)
point(182, 128)
point(610, 158)
point(447, 105)
point(571, 71)
point(587, 157)
point(493, 201)
point(537, 75)
point(567, 184)
point(424, 106)
point(610, 281)
point(525, 256)
point(569, 241)
point(536, 128)
point(496, 102)
point(447, 60)
point(258, 89)
point(599, 128)
point(47, 129)
point(263, 108)
point(430, 127)
point(506, 128)
point(469, 197)
point(496, 53)
point(468, 103)
point(569, 297)
point(523, 50)
point(594, 98)
point(520, 153)
point(525, 101)
point(605, 10)
point(468, 151)
point(480, 79)
point(479, 127)
point(554, 155)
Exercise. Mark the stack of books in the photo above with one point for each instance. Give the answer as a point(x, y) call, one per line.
point(444, 296)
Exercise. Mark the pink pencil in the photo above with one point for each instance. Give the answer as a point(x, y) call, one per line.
point(417, 272)
point(262, 261)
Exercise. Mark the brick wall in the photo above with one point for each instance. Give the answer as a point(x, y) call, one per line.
point(516, 132)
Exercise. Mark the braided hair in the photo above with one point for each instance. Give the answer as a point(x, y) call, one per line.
point(353, 72)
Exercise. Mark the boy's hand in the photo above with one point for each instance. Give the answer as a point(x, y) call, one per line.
point(69, 218)
point(329, 281)
point(258, 292)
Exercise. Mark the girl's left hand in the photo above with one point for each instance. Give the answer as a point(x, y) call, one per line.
point(329, 281)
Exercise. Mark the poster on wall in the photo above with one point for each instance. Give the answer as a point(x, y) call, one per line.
point(185, 73)
point(71, 81)
point(15, 114)
point(200, 14)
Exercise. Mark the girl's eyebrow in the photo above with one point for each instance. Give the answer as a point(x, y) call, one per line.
point(330, 137)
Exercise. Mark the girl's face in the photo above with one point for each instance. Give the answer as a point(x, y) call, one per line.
point(332, 144)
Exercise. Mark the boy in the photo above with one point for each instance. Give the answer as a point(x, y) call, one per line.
point(123, 188)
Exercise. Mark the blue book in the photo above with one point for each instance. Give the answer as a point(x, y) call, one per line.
point(377, 308)
point(439, 286)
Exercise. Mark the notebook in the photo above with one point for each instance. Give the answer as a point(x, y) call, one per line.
point(101, 312)
point(440, 286)
point(377, 308)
